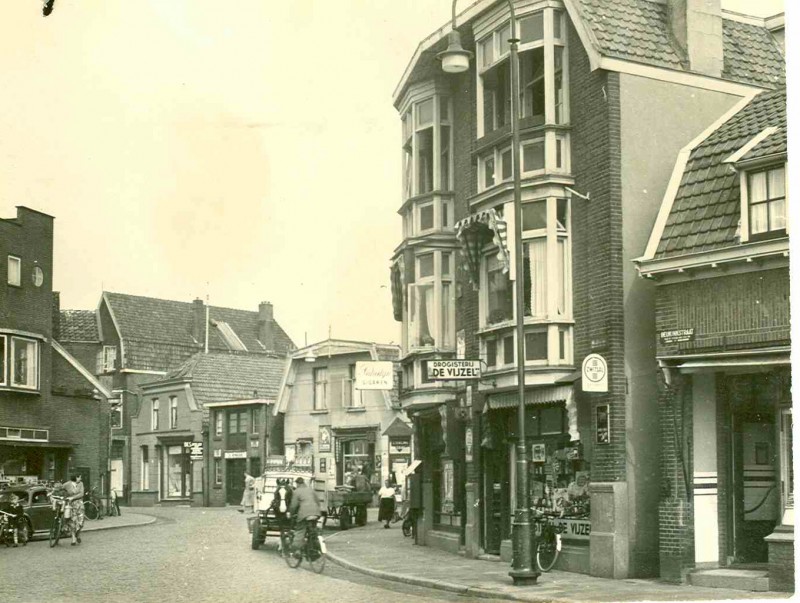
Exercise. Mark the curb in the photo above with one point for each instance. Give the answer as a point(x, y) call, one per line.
point(97, 528)
point(461, 589)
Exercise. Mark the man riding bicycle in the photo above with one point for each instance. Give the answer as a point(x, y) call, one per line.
point(304, 504)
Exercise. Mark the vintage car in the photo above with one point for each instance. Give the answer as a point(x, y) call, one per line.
point(36, 502)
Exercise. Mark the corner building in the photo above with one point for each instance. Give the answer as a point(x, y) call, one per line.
point(610, 92)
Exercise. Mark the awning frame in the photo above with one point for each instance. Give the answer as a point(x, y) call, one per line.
point(471, 232)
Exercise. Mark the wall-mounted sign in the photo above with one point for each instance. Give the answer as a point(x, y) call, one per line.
point(538, 453)
point(468, 444)
point(218, 454)
point(374, 375)
point(253, 443)
point(400, 445)
point(603, 424)
point(324, 438)
point(571, 529)
point(454, 370)
point(195, 450)
point(235, 454)
point(676, 336)
point(595, 374)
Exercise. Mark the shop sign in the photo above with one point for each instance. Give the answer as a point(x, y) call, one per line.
point(325, 438)
point(468, 444)
point(374, 375)
point(538, 454)
point(571, 529)
point(454, 370)
point(676, 336)
point(603, 424)
point(235, 454)
point(400, 445)
point(195, 450)
point(595, 373)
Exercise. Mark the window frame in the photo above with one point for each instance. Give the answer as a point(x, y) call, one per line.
point(116, 409)
point(109, 358)
point(36, 363)
point(744, 187)
point(356, 397)
point(173, 412)
point(18, 260)
point(154, 412)
point(437, 280)
point(218, 423)
point(412, 130)
point(320, 402)
point(144, 467)
point(217, 471)
point(4, 363)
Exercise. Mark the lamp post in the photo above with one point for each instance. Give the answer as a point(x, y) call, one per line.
point(456, 60)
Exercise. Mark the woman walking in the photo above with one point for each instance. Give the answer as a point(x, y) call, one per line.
point(386, 506)
point(249, 494)
point(74, 491)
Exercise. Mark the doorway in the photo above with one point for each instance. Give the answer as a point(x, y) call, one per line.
point(496, 492)
point(234, 478)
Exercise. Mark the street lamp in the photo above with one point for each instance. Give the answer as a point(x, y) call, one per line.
point(456, 60)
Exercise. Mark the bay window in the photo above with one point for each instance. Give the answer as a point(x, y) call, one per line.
point(427, 146)
point(431, 300)
point(24, 363)
point(499, 292)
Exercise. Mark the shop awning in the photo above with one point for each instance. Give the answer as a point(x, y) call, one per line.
point(542, 395)
point(397, 279)
point(472, 233)
point(725, 361)
point(28, 444)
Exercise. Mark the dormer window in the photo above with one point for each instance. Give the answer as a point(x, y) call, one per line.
point(766, 203)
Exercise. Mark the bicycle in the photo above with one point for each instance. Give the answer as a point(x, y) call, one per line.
point(313, 550)
point(93, 505)
point(548, 542)
point(7, 530)
point(61, 519)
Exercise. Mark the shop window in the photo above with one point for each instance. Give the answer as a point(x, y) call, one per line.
point(787, 468)
point(766, 197)
point(179, 483)
point(24, 363)
point(552, 420)
point(173, 412)
point(154, 415)
point(320, 388)
point(14, 271)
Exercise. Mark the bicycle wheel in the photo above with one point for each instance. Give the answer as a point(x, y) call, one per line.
point(90, 510)
point(547, 550)
point(55, 531)
point(292, 558)
point(407, 527)
point(316, 558)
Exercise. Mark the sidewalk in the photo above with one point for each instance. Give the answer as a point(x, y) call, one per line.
point(387, 554)
point(126, 520)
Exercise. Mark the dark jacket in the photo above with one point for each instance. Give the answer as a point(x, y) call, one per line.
point(304, 502)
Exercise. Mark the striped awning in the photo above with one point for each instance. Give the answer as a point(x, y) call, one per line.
point(471, 232)
point(542, 395)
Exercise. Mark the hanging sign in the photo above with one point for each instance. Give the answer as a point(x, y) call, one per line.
point(454, 370)
point(595, 374)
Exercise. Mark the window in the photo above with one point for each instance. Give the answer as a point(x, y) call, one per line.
point(499, 296)
point(766, 197)
point(254, 419)
point(14, 271)
point(352, 397)
point(320, 389)
point(491, 352)
point(532, 85)
point(154, 415)
point(173, 412)
point(427, 144)
point(432, 301)
point(533, 156)
point(3, 361)
point(116, 413)
point(144, 475)
point(426, 217)
point(218, 422)
point(177, 472)
point(496, 168)
point(24, 363)
point(109, 358)
point(217, 472)
point(237, 421)
point(536, 345)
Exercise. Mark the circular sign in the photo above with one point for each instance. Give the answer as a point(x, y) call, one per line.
point(595, 373)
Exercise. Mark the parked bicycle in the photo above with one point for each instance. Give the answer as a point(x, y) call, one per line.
point(313, 550)
point(548, 542)
point(7, 528)
point(406, 515)
point(61, 519)
point(93, 505)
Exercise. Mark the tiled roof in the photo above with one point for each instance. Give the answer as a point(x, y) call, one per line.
point(157, 333)
point(78, 325)
point(231, 376)
point(638, 30)
point(706, 210)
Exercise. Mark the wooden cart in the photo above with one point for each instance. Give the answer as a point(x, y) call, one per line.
point(347, 507)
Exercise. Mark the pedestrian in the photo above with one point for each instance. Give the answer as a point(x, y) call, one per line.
point(361, 483)
point(73, 490)
point(386, 504)
point(249, 494)
point(115, 501)
point(17, 517)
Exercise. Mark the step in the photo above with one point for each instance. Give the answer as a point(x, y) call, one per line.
point(737, 579)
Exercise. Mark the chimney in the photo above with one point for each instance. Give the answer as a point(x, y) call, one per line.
point(198, 321)
point(697, 27)
point(265, 331)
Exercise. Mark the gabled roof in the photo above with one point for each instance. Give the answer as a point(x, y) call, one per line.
point(703, 215)
point(78, 325)
point(635, 31)
point(229, 376)
point(334, 347)
point(157, 333)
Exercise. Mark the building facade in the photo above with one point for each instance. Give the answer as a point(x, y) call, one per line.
point(343, 429)
point(719, 258)
point(594, 166)
point(54, 415)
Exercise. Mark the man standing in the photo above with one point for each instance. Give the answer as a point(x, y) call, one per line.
point(304, 504)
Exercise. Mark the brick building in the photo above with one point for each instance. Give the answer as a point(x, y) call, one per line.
point(718, 255)
point(221, 400)
point(144, 338)
point(54, 414)
point(593, 75)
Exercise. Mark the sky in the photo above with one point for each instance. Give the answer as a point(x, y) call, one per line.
point(246, 151)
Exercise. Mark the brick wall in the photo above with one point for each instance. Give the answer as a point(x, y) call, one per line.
point(597, 245)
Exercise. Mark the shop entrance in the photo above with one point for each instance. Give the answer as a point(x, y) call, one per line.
point(755, 495)
point(496, 495)
point(234, 477)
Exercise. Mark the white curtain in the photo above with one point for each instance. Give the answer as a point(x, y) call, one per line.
point(446, 322)
point(561, 293)
point(537, 253)
point(429, 312)
point(758, 213)
point(777, 191)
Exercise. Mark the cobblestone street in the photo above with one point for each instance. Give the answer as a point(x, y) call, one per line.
point(187, 555)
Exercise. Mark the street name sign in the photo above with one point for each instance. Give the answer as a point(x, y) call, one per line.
point(454, 370)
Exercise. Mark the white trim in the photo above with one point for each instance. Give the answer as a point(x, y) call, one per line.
point(119, 331)
point(81, 369)
point(19, 270)
point(748, 19)
point(37, 366)
point(190, 399)
point(15, 332)
point(585, 34)
point(141, 372)
point(253, 402)
point(684, 78)
point(677, 174)
point(285, 388)
point(736, 156)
